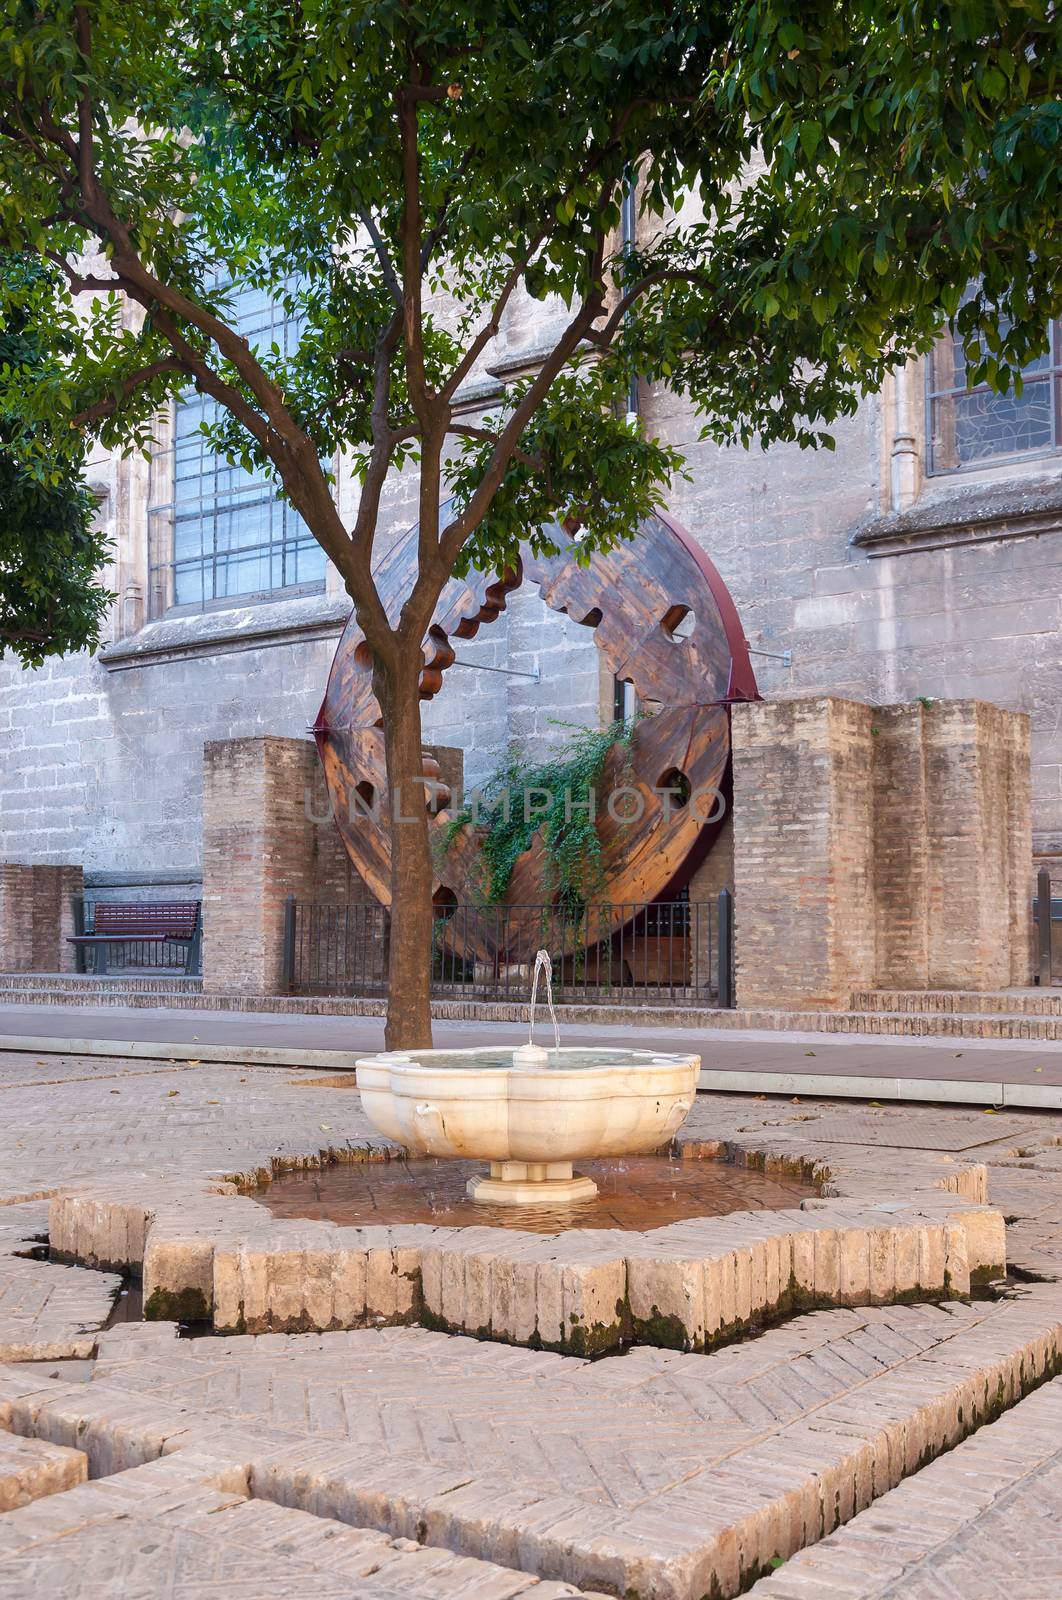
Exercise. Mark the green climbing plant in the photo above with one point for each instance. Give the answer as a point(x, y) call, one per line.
point(557, 797)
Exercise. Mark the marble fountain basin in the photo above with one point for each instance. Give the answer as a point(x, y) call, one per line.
point(529, 1112)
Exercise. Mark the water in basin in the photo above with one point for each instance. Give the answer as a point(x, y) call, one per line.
point(567, 1060)
point(634, 1192)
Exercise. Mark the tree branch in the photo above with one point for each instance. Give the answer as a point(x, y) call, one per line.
point(455, 534)
point(438, 229)
point(86, 175)
point(384, 440)
point(283, 441)
point(490, 436)
point(491, 328)
point(602, 337)
point(411, 244)
point(382, 254)
point(130, 384)
point(81, 284)
point(427, 91)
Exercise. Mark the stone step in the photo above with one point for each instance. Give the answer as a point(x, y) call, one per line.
point(982, 1521)
point(666, 1475)
point(32, 1468)
point(76, 983)
point(1032, 1002)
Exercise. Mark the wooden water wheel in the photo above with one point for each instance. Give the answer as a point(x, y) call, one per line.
point(664, 622)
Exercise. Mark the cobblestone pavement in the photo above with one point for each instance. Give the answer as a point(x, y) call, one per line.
point(406, 1462)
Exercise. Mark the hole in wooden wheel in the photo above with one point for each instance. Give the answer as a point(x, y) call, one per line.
point(676, 786)
point(444, 903)
point(678, 622)
point(363, 800)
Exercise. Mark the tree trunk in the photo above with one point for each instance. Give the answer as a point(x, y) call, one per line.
point(409, 999)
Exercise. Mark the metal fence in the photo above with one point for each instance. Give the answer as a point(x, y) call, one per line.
point(1046, 946)
point(676, 951)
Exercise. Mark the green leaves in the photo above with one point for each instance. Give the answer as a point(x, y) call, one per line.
point(580, 462)
point(51, 558)
point(566, 790)
point(816, 187)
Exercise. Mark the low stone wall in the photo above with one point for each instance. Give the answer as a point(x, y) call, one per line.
point(206, 1252)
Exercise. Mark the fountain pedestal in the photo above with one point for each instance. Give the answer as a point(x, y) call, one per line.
point(522, 1183)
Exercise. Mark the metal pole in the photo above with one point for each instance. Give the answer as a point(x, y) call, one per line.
point(289, 943)
point(629, 233)
point(726, 950)
point(79, 929)
point(481, 666)
point(1043, 927)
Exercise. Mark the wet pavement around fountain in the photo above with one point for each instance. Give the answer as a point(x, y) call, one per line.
point(634, 1192)
point(408, 1463)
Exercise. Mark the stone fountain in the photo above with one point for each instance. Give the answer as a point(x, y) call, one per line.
point(528, 1111)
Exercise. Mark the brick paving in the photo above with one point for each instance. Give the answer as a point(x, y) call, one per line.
point(618, 1434)
point(660, 1475)
point(405, 1462)
point(979, 1524)
point(46, 1311)
point(164, 1528)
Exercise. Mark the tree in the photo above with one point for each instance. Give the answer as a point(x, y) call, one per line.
point(51, 556)
point(369, 161)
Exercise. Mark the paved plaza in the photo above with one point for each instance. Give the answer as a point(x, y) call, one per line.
point(870, 1412)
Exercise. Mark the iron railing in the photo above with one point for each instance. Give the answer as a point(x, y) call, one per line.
point(605, 953)
point(1044, 927)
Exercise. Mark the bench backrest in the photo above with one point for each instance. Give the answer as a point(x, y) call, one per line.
point(148, 919)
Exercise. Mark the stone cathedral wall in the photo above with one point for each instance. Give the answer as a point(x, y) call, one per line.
point(884, 584)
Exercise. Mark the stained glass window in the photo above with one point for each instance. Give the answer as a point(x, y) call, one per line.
point(969, 427)
point(218, 533)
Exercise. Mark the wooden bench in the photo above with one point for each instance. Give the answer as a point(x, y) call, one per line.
point(142, 922)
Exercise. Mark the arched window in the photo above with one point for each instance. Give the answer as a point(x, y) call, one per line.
point(215, 532)
point(976, 427)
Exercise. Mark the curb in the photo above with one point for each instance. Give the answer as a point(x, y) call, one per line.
point(853, 1086)
point(197, 1050)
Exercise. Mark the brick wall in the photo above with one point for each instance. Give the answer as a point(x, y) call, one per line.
point(979, 621)
point(258, 848)
point(267, 834)
point(106, 767)
point(977, 825)
point(878, 847)
point(901, 864)
point(36, 917)
point(803, 878)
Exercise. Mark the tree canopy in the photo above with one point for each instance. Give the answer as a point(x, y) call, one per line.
point(817, 186)
point(51, 556)
point(396, 172)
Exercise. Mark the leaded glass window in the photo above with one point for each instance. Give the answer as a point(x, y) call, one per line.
point(217, 533)
point(973, 427)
